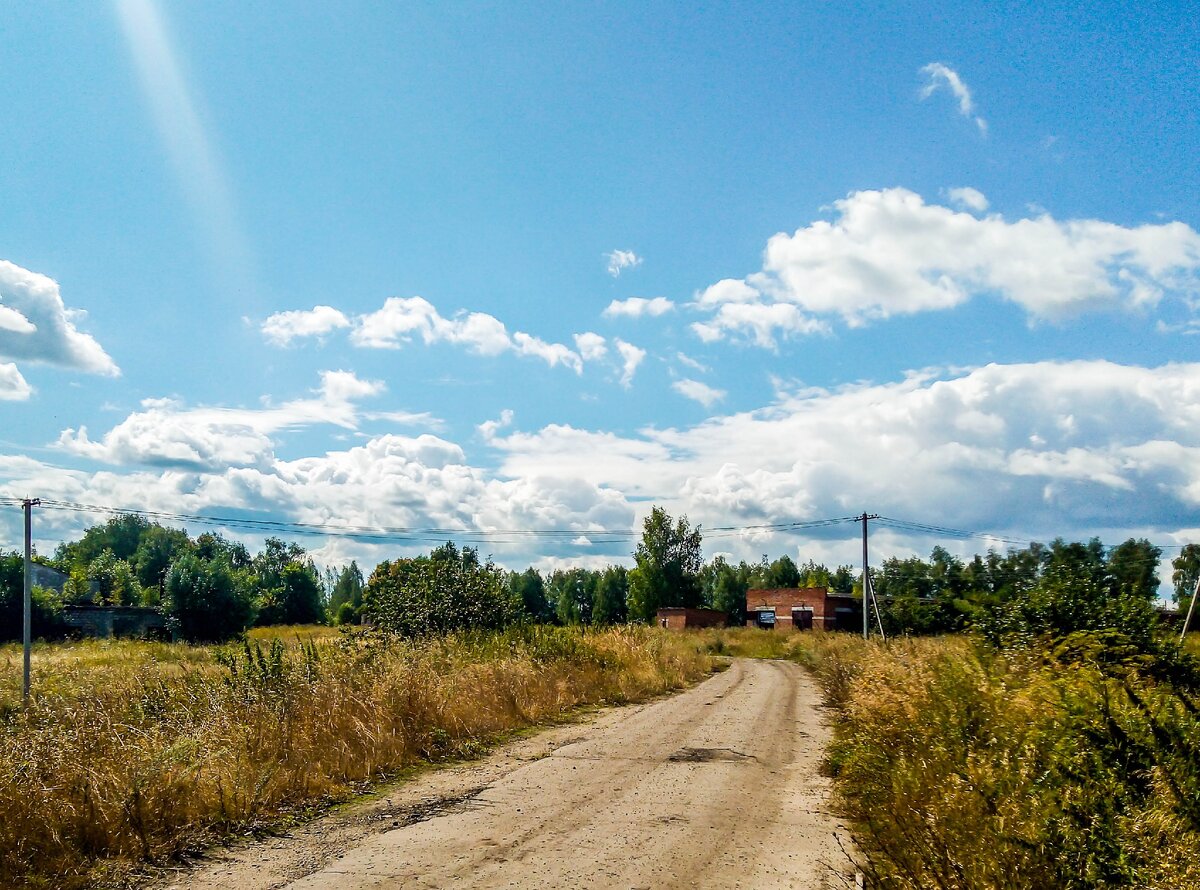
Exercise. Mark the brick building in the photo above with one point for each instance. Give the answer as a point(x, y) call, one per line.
point(802, 608)
point(677, 618)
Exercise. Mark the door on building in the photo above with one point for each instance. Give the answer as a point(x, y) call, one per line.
point(802, 617)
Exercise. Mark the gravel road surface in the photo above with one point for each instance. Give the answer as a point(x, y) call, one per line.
point(719, 786)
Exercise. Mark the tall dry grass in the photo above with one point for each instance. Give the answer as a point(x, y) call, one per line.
point(965, 767)
point(133, 751)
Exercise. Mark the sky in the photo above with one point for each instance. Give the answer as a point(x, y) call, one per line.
point(488, 268)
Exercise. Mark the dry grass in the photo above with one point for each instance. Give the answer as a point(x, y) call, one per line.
point(138, 751)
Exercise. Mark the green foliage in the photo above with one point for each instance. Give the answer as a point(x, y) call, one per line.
point(157, 548)
point(529, 587)
point(610, 604)
point(45, 606)
point(113, 581)
point(297, 598)
point(121, 535)
point(668, 566)
point(346, 597)
point(204, 601)
point(724, 588)
point(573, 592)
point(447, 590)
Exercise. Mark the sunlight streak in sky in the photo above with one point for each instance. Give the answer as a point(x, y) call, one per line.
point(196, 162)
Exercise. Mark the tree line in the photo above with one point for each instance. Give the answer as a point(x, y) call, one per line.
point(211, 588)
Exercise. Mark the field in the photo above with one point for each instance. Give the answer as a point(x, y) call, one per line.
point(961, 766)
point(135, 752)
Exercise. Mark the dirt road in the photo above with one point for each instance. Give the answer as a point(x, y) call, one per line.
point(716, 787)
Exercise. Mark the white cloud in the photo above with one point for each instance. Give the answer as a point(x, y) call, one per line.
point(698, 392)
point(36, 326)
point(1033, 450)
point(489, 428)
point(283, 327)
point(988, 449)
point(940, 75)
point(889, 253)
point(591, 346)
point(165, 433)
point(619, 260)
point(403, 318)
point(13, 387)
point(968, 198)
point(631, 357)
point(636, 307)
point(690, 362)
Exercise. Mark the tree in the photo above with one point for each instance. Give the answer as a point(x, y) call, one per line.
point(121, 534)
point(46, 615)
point(447, 590)
point(725, 587)
point(296, 600)
point(529, 587)
point(204, 601)
point(1133, 569)
point(345, 599)
point(610, 604)
point(157, 549)
point(574, 594)
point(668, 566)
point(114, 581)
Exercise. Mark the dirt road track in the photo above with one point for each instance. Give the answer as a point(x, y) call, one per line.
point(716, 787)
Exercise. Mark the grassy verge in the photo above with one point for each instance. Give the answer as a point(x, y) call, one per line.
point(139, 751)
point(960, 766)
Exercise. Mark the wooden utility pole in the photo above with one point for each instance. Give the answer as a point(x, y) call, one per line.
point(866, 578)
point(1191, 608)
point(27, 618)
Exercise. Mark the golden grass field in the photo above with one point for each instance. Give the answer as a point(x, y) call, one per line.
point(133, 751)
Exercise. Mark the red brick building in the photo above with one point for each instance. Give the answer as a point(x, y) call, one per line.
point(802, 608)
point(677, 618)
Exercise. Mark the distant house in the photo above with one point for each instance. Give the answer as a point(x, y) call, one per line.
point(802, 608)
point(678, 618)
point(44, 576)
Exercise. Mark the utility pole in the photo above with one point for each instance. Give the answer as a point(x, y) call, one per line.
point(866, 581)
point(28, 504)
point(1191, 608)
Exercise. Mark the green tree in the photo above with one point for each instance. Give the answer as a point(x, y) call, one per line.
point(530, 589)
point(447, 590)
point(46, 609)
point(724, 588)
point(113, 580)
point(121, 535)
point(157, 548)
point(204, 601)
point(668, 566)
point(347, 592)
point(297, 599)
point(610, 604)
point(1133, 569)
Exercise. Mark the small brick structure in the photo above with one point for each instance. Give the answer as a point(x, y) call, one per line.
point(116, 621)
point(802, 608)
point(678, 618)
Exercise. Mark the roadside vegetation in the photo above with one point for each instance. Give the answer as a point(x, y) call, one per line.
point(1054, 744)
point(135, 752)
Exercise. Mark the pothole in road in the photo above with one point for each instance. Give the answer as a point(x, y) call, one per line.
point(709, 755)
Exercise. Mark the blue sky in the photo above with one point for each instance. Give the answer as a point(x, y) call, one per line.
point(495, 266)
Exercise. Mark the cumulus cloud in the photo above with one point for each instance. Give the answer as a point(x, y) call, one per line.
point(619, 260)
point(13, 387)
point(403, 318)
point(939, 75)
point(168, 434)
point(282, 328)
point(968, 198)
point(591, 346)
point(698, 392)
point(631, 357)
point(636, 307)
point(1042, 449)
point(889, 253)
point(36, 326)
point(1029, 451)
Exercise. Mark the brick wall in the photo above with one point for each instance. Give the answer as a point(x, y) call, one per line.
point(789, 602)
point(679, 618)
